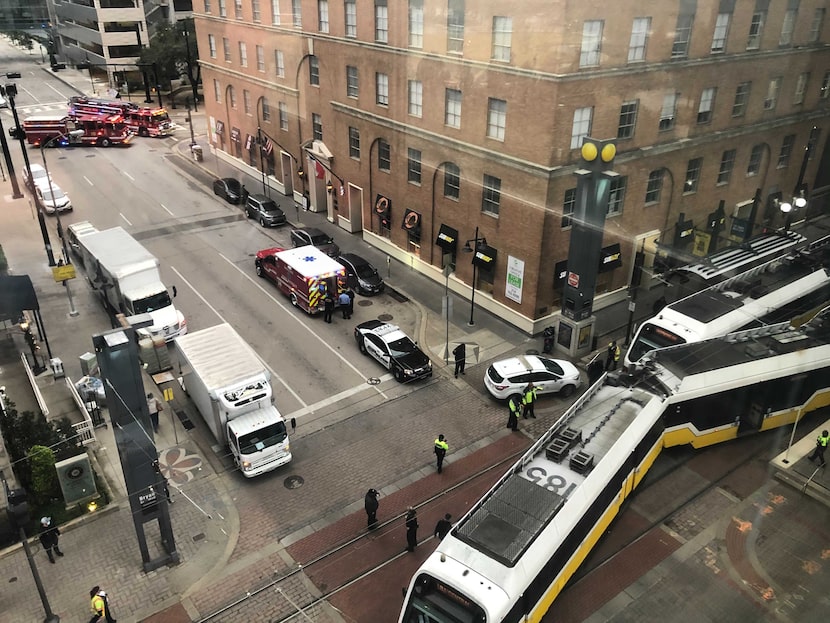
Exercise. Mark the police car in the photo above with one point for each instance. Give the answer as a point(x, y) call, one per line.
point(393, 349)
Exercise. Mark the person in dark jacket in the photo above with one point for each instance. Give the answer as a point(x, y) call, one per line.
point(411, 529)
point(370, 503)
point(513, 415)
point(460, 354)
point(443, 527)
point(49, 538)
point(328, 308)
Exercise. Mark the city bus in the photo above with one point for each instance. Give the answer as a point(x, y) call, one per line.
point(144, 121)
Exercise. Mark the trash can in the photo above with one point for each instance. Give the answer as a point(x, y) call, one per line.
point(57, 367)
point(197, 152)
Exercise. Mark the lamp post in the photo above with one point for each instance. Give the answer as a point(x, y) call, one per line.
point(193, 82)
point(467, 249)
point(788, 208)
point(72, 134)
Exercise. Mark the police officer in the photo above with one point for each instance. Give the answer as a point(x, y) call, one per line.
point(370, 503)
point(49, 538)
point(528, 398)
point(821, 446)
point(441, 447)
point(513, 417)
point(613, 357)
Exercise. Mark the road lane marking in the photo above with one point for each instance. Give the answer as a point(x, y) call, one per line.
point(346, 393)
point(126, 219)
point(221, 318)
point(88, 181)
point(54, 89)
point(168, 211)
point(132, 179)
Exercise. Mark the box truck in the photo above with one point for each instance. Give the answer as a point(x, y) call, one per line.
point(126, 277)
point(230, 386)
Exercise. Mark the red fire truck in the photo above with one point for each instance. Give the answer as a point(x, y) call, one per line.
point(144, 121)
point(305, 274)
point(59, 130)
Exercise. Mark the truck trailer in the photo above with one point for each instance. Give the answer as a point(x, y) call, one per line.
point(230, 386)
point(126, 277)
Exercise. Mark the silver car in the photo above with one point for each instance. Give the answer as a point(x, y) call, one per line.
point(509, 377)
point(52, 198)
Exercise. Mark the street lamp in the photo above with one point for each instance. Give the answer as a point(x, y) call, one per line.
point(788, 208)
point(468, 249)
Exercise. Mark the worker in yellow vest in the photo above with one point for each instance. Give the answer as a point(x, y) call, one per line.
point(613, 356)
point(100, 606)
point(441, 447)
point(528, 399)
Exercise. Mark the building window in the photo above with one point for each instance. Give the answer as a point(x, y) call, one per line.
point(314, 71)
point(756, 28)
point(246, 101)
point(639, 38)
point(452, 114)
point(816, 26)
point(721, 32)
point(581, 126)
point(382, 86)
point(384, 156)
point(786, 151)
point(568, 207)
point(591, 43)
point(692, 175)
point(316, 126)
point(416, 98)
point(416, 24)
point(755, 158)
point(354, 143)
point(413, 166)
point(787, 27)
point(275, 12)
point(351, 19)
point(496, 118)
point(824, 92)
point(352, 84)
point(243, 54)
point(502, 38)
point(452, 181)
point(223, 8)
point(232, 96)
point(207, 6)
point(256, 11)
point(260, 58)
point(266, 110)
point(455, 26)
point(771, 98)
point(616, 195)
point(628, 119)
point(682, 36)
point(741, 99)
point(323, 15)
point(707, 104)
point(217, 91)
point(237, 9)
point(226, 47)
point(727, 162)
point(212, 46)
point(296, 13)
point(282, 107)
point(667, 112)
point(381, 21)
point(654, 186)
point(800, 88)
point(279, 62)
point(490, 195)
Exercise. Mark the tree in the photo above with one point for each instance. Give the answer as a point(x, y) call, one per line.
point(44, 476)
point(168, 51)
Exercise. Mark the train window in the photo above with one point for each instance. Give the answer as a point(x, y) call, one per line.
point(432, 601)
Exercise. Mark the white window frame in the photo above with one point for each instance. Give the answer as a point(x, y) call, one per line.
point(243, 54)
point(496, 118)
point(756, 30)
point(502, 38)
point(415, 105)
point(773, 91)
point(416, 24)
point(707, 105)
point(721, 33)
point(382, 89)
point(279, 63)
point(246, 101)
point(350, 16)
point(616, 195)
point(591, 47)
point(640, 29)
point(581, 128)
point(256, 11)
point(223, 8)
point(787, 28)
point(297, 13)
point(626, 115)
point(413, 166)
point(455, 26)
point(682, 36)
point(282, 112)
point(237, 9)
point(668, 112)
point(275, 13)
point(452, 108)
point(212, 45)
point(226, 49)
point(381, 22)
point(801, 88)
point(491, 195)
point(217, 91)
point(266, 109)
point(727, 165)
point(323, 15)
point(817, 25)
point(260, 58)
point(352, 81)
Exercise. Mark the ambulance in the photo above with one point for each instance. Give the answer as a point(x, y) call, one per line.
point(305, 274)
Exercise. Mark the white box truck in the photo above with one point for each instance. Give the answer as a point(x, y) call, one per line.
point(126, 277)
point(230, 386)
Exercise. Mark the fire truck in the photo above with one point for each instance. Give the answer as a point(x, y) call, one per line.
point(305, 274)
point(101, 130)
point(144, 121)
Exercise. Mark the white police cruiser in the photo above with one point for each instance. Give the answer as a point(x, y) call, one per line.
point(393, 349)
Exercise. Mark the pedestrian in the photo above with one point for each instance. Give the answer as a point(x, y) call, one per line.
point(100, 606)
point(528, 399)
point(821, 446)
point(658, 306)
point(460, 354)
point(154, 407)
point(443, 527)
point(343, 299)
point(351, 295)
point(595, 370)
point(411, 529)
point(49, 538)
point(328, 308)
point(613, 356)
point(441, 446)
point(370, 503)
point(243, 196)
point(513, 417)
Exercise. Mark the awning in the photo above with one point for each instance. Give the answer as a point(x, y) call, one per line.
point(485, 257)
point(447, 238)
point(610, 258)
point(236, 134)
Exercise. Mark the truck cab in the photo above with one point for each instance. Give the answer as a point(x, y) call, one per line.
point(259, 441)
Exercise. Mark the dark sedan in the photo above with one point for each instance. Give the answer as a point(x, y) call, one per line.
point(361, 275)
point(305, 236)
point(229, 189)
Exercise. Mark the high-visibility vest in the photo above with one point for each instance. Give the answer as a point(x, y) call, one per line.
point(99, 605)
point(441, 445)
point(529, 396)
point(822, 441)
point(514, 407)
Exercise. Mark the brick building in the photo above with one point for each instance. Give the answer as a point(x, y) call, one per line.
point(406, 120)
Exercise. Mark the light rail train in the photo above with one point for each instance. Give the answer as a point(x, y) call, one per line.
point(511, 555)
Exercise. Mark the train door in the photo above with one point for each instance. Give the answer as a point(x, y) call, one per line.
point(752, 418)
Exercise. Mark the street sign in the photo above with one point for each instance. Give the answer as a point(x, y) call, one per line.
point(573, 280)
point(62, 273)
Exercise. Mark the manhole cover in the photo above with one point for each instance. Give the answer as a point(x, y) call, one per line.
point(293, 482)
point(198, 537)
point(364, 303)
point(385, 317)
point(373, 381)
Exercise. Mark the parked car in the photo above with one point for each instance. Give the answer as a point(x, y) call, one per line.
point(265, 210)
point(52, 198)
point(305, 236)
point(509, 377)
point(393, 349)
point(361, 276)
point(229, 188)
point(39, 175)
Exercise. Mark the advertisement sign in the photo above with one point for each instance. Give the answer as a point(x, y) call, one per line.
point(515, 277)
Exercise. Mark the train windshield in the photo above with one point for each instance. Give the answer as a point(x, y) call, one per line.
point(432, 601)
point(650, 337)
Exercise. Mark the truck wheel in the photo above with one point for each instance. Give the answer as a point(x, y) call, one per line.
point(105, 142)
point(143, 132)
point(361, 345)
point(294, 300)
point(258, 269)
point(399, 375)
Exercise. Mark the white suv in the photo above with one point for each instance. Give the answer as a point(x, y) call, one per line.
point(52, 198)
point(39, 176)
